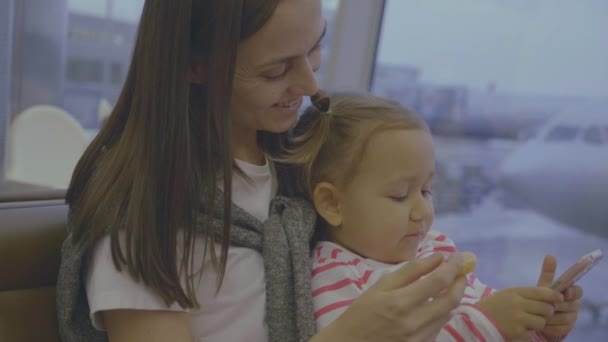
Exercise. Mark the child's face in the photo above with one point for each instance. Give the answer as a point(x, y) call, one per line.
point(387, 209)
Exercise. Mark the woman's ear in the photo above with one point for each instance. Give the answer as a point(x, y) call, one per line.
point(326, 199)
point(197, 74)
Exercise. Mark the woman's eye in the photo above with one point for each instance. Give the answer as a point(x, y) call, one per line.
point(317, 48)
point(275, 74)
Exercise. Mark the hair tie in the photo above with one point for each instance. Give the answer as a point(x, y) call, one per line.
point(321, 102)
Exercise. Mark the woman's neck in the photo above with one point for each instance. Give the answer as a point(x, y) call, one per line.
point(245, 147)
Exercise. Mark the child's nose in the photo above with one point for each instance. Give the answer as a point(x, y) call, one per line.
point(421, 210)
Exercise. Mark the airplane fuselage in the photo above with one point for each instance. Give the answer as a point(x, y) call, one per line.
point(564, 177)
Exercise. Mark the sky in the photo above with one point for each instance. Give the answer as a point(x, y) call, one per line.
point(548, 47)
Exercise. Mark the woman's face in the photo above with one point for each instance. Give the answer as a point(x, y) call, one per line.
point(275, 68)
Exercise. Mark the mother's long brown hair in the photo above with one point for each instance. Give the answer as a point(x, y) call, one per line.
point(155, 164)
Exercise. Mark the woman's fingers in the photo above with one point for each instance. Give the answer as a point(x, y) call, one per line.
point(435, 310)
point(429, 332)
point(419, 297)
point(409, 273)
point(433, 284)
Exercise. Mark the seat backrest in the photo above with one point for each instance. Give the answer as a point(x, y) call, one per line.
point(104, 110)
point(44, 145)
point(31, 234)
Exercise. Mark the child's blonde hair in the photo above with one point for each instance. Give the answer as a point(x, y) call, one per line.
point(331, 136)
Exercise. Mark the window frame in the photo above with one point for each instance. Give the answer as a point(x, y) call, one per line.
point(352, 56)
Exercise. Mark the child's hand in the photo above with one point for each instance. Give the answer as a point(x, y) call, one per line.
point(566, 313)
point(518, 310)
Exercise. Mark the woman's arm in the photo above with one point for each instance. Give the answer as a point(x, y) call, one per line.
point(127, 309)
point(147, 326)
point(397, 307)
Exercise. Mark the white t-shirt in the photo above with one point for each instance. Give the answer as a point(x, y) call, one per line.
point(236, 313)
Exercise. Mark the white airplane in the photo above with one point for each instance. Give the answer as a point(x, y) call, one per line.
point(562, 171)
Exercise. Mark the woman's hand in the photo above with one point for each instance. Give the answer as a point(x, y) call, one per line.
point(402, 306)
point(147, 326)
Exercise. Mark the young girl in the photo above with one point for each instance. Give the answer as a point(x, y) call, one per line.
point(367, 165)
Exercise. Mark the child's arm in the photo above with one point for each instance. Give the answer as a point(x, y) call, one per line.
point(521, 311)
point(477, 293)
point(470, 322)
point(333, 291)
point(336, 282)
point(487, 314)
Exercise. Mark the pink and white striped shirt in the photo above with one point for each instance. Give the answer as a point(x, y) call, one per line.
point(340, 276)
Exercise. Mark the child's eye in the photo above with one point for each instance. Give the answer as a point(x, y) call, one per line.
point(427, 193)
point(399, 198)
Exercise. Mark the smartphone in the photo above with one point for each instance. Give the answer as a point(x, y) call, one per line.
point(576, 271)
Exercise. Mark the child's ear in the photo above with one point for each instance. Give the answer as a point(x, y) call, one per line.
point(197, 74)
point(326, 199)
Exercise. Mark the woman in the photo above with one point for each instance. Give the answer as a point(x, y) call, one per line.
point(156, 250)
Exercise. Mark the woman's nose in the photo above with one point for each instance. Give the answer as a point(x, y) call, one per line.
point(304, 79)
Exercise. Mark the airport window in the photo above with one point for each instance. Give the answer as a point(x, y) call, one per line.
point(127, 11)
point(500, 72)
point(120, 10)
point(84, 71)
point(95, 8)
point(562, 133)
point(593, 135)
point(70, 65)
point(116, 73)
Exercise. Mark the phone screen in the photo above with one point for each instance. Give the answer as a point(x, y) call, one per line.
point(576, 271)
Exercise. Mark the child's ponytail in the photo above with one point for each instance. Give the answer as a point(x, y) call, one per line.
point(304, 145)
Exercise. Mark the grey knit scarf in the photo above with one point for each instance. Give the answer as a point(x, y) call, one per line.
point(283, 241)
